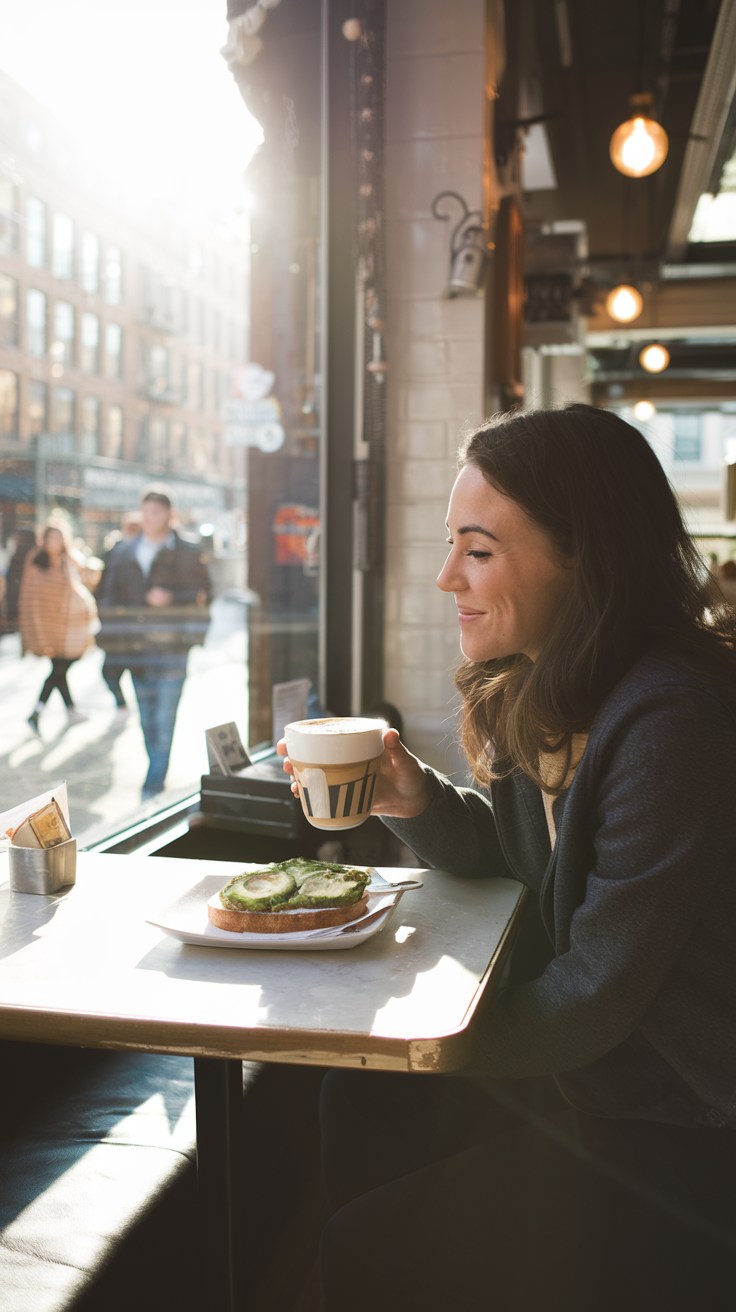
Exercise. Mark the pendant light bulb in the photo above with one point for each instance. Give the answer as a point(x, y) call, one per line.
point(639, 147)
point(644, 411)
point(624, 303)
point(654, 358)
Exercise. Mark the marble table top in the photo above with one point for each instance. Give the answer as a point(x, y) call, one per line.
point(82, 967)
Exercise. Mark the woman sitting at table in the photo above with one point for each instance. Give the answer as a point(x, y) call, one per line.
point(587, 1158)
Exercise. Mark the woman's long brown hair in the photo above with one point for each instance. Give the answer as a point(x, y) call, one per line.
point(594, 484)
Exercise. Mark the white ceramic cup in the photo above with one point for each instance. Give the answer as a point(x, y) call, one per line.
point(336, 763)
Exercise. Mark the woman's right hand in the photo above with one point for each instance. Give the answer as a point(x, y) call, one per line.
point(402, 787)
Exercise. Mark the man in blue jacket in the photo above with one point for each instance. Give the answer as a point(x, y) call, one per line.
point(153, 607)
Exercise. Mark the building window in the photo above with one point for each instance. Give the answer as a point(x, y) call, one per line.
point(8, 311)
point(158, 372)
point(37, 408)
point(195, 385)
point(64, 405)
point(8, 215)
point(36, 322)
point(62, 347)
point(8, 404)
point(114, 442)
point(113, 351)
point(89, 355)
point(35, 232)
point(90, 263)
point(90, 444)
point(63, 261)
point(158, 442)
point(114, 276)
point(687, 443)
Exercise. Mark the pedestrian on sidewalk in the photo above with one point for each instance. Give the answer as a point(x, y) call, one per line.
point(56, 615)
point(114, 666)
point(153, 607)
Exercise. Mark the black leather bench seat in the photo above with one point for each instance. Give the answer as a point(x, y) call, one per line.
point(97, 1184)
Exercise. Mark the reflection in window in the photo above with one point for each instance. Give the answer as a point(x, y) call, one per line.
point(8, 404)
point(687, 443)
point(90, 272)
point(36, 322)
point(35, 232)
point(37, 407)
point(63, 259)
point(113, 351)
point(90, 437)
point(114, 438)
point(62, 347)
point(64, 405)
point(114, 276)
point(89, 354)
point(8, 219)
point(195, 385)
point(8, 311)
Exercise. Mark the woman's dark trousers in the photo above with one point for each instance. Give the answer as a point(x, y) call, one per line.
point(57, 679)
point(448, 1198)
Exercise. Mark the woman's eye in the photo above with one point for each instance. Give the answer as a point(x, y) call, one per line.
point(479, 555)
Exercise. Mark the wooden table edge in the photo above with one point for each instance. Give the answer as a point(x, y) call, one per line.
point(443, 1052)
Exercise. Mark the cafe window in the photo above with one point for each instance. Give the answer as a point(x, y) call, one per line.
point(687, 437)
point(37, 407)
point(63, 251)
point(64, 412)
point(36, 322)
point(8, 404)
point(35, 232)
point(90, 270)
point(113, 276)
point(114, 436)
point(89, 351)
point(8, 215)
point(90, 435)
point(113, 351)
point(8, 310)
point(62, 347)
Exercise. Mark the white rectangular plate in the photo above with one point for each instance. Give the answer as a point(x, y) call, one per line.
point(186, 919)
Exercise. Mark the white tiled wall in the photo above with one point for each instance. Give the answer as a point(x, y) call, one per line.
point(435, 104)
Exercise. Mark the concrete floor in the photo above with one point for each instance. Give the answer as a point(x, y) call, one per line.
point(105, 764)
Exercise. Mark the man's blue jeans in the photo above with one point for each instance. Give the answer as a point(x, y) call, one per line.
point(158, 692)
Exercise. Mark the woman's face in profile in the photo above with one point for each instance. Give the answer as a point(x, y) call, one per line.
point(507, 579)
point(53, 542)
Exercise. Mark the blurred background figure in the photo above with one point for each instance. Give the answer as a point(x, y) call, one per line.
point(56, 613)
point(153, 606)
point(22, 542)
point(114, 667)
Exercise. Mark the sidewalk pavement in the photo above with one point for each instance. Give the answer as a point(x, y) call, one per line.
point(104, 763)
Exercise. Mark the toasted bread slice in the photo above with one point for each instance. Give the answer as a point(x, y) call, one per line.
point(282, 922)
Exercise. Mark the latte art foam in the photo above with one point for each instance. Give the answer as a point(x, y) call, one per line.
point(338, 724)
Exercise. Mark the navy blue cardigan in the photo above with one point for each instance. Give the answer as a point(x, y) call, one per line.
point(636, 1013)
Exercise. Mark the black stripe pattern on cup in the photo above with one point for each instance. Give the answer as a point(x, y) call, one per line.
point(348, 799)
